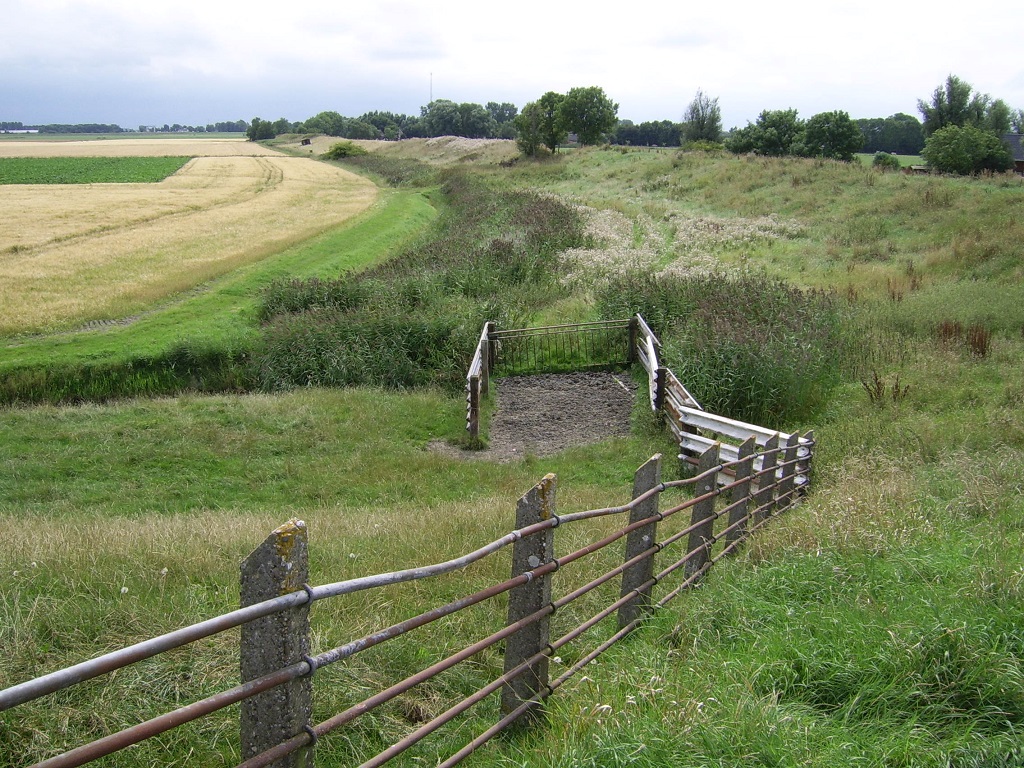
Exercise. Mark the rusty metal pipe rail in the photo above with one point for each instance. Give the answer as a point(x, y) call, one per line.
point(55, 681)
point(555, 565)
point(757, 516)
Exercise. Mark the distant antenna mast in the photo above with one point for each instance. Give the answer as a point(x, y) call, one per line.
point(431, 88)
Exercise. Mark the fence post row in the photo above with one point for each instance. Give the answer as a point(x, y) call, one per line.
point(787, 483)
point(529, 553)
point(639, 541)
point(278, 566)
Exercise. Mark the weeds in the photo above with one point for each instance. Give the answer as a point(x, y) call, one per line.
point(414, 320)
point(979, 340)
point(879, 392)
point(749, 347)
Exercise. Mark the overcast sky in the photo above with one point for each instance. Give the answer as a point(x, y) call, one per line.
point(193, 62)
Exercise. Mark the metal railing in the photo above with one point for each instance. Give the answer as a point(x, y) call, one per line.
point(546, 349)
point(650, 573)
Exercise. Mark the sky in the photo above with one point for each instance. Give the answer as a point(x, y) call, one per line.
point(195, 62)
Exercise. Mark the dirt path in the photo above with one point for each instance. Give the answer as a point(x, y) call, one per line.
point(541, 415)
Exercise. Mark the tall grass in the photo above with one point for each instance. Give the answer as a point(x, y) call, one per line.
point(748, 346)
point(414, 320)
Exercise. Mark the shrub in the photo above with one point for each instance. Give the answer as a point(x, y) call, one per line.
point(749, 347)
point(343, 149)
point(966, 150)
point(886, 162)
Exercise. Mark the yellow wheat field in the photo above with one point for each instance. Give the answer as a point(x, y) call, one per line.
point(74, 253)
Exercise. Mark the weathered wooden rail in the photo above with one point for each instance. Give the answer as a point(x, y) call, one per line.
point(620, 342)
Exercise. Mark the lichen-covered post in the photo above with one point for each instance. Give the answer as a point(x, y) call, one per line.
point(639, 541)
point(527, 554)
point(280, 565)
point(740, 497)
point(702, 520)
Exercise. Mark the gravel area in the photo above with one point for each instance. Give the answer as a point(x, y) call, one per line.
point(544, 414)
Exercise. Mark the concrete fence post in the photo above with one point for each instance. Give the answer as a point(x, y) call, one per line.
point(702, 519)
point(642, 539)
point(280, 565)
point(740, 497)
point(527, 554)
point(806, 454)
point(634, 331)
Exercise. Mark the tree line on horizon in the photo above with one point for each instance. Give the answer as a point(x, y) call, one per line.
point(961, 130)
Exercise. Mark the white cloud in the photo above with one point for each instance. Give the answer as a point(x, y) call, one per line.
point(198, 61)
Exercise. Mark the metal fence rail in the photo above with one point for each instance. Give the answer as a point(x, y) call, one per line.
point(547, 349)
point(530, 634)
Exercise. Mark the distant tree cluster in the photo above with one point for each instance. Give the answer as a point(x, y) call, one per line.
point(964, 129)
point(80, 128)
point(586, 112)
point(778, 133)
point(899, 134)
point(441, 117)
point(660, 133)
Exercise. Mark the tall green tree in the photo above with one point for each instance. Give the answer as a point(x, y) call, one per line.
point(552, 126)
point(702, 120)
point(831, 134)
point(956, 103)
point(1017, 121)
point(528, 129)
point(329, 123)
point(260, 130)
point(588, 113)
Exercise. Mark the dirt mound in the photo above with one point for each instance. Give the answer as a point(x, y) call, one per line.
point(542, 415)
point(441, 150)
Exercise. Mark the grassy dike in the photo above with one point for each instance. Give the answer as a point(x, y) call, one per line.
point(879, 623)
point(137, 357)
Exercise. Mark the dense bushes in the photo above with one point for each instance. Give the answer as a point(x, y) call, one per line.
point(748, 346)
point(415, 319)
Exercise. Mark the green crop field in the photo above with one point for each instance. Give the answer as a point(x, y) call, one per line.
point(880, 622)
point(88, 170)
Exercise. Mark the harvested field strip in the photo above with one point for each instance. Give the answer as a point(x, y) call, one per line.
point(136, 148)
point(73, 254)
point(88, 170)
point(222, 315)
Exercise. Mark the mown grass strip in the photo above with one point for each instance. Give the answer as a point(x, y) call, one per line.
point(223, 311)
point(88, 170)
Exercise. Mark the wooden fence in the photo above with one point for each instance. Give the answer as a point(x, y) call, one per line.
point(547, 349)
point(620, 342)
point(670, 534)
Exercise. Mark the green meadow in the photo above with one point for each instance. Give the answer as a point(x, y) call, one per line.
point(88, 170)
point(879, 622)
